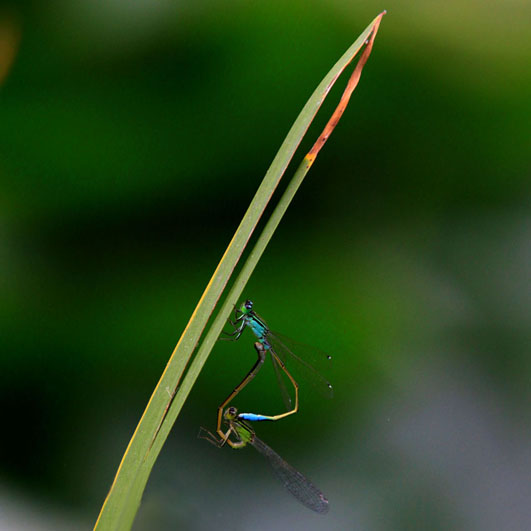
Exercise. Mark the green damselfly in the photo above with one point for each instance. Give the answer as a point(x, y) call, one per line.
point(296, 483)
point(281, 349)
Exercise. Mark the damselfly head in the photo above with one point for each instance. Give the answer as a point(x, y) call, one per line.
point(230, 413)
point(248, 304)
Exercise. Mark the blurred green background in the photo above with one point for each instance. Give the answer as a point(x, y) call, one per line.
point(134, 135)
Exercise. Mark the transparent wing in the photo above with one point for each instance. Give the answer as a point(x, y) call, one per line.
point(285, 347)
point(300, 486)
point(286, 398)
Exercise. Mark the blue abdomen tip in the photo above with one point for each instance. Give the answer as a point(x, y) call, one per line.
point(252, 417)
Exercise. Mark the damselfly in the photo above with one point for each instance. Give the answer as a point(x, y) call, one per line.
point(296, 483)
point(281, 350)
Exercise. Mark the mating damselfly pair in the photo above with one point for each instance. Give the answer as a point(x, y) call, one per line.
point(239, 433)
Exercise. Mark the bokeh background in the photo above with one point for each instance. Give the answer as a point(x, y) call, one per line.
point(133, 136)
